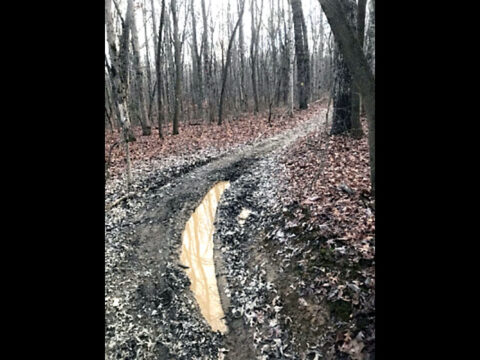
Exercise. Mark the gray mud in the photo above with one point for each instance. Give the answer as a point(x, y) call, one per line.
point(150, 312)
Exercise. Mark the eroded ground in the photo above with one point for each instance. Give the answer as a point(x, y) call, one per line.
point(151, 312)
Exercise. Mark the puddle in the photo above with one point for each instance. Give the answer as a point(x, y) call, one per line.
point(197, 254)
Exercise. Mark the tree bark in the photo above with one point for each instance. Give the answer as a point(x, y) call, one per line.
point(243, 92)
point(196, 63)
point(253, 57)
point(227, 64)
point(150, 87)
point(358, 66)
point(290, 65)
point(119, 75)
point(178, 67)
point(301, 50)
point(207, 64)
point(370, 45)
point(119, 71)
point(139, 79)
point(343, 102)
point(357, 131)
point(159, 71)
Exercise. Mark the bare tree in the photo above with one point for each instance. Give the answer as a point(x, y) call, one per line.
point(227, 63)
point(358, 66)
point(370, 36)
point(343, 90)
point(159, 70)
point(178, 44)
point(207, 63)
point(241, 44)
point(196, 62)
point(139, 79)
point(357, 131)
point(150, 88)
point(178, 69)
point(254, 50)
point(290, 63)
point(119, 73)
point(301, 51)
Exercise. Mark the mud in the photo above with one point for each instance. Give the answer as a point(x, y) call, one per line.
point(150, 311)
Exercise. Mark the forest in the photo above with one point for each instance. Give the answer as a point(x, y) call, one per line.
point(239, 179)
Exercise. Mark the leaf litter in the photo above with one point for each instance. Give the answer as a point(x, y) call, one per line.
point(298, 271)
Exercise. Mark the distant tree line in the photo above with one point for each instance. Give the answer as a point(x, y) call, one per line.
point(173, 61)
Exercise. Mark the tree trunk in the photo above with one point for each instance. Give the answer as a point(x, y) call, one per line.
point(320, 51)
point(119, 71)
point(110, 103)
point(344, 104)
point(359, 67)
point(196, 64)
point(119, 75)
point(357, 131)
point(227, 64)
point(290, 64)
point(207, 64)
point(139, 79)
point(159, 71)
point(243, 92)
point(370, 45)
point(150, 86)
point(301, 50)
point(342, 96)
point(253, 57)
point(178, 67)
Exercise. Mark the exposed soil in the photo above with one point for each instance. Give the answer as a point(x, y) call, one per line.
point(150, 311)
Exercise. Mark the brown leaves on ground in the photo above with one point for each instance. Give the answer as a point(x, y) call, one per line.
point(192, 138)
point(330, 177)
point(330, 210)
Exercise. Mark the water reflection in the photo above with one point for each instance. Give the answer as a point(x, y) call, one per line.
point(197, 254)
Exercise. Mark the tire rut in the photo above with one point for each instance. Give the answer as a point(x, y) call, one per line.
point(157, 229)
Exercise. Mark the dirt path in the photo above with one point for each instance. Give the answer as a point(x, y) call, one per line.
point(150, 313)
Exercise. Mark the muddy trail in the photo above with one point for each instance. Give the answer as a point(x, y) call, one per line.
point(150, 311)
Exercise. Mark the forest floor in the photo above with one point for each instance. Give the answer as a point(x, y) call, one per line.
point(296, 279)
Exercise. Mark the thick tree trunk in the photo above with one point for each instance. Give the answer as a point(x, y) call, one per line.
point(357, 131)
point(344, 104)
point(342, 96)
point(359, 67)
point(119, 75)
point(301, 50)
point(119, 71)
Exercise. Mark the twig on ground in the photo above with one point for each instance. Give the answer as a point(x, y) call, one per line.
point(118, 201)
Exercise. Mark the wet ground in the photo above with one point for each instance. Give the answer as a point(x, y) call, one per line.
point(151, 313)
point(197, 257)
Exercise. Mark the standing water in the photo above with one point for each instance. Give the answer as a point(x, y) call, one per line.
point(197, 254)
